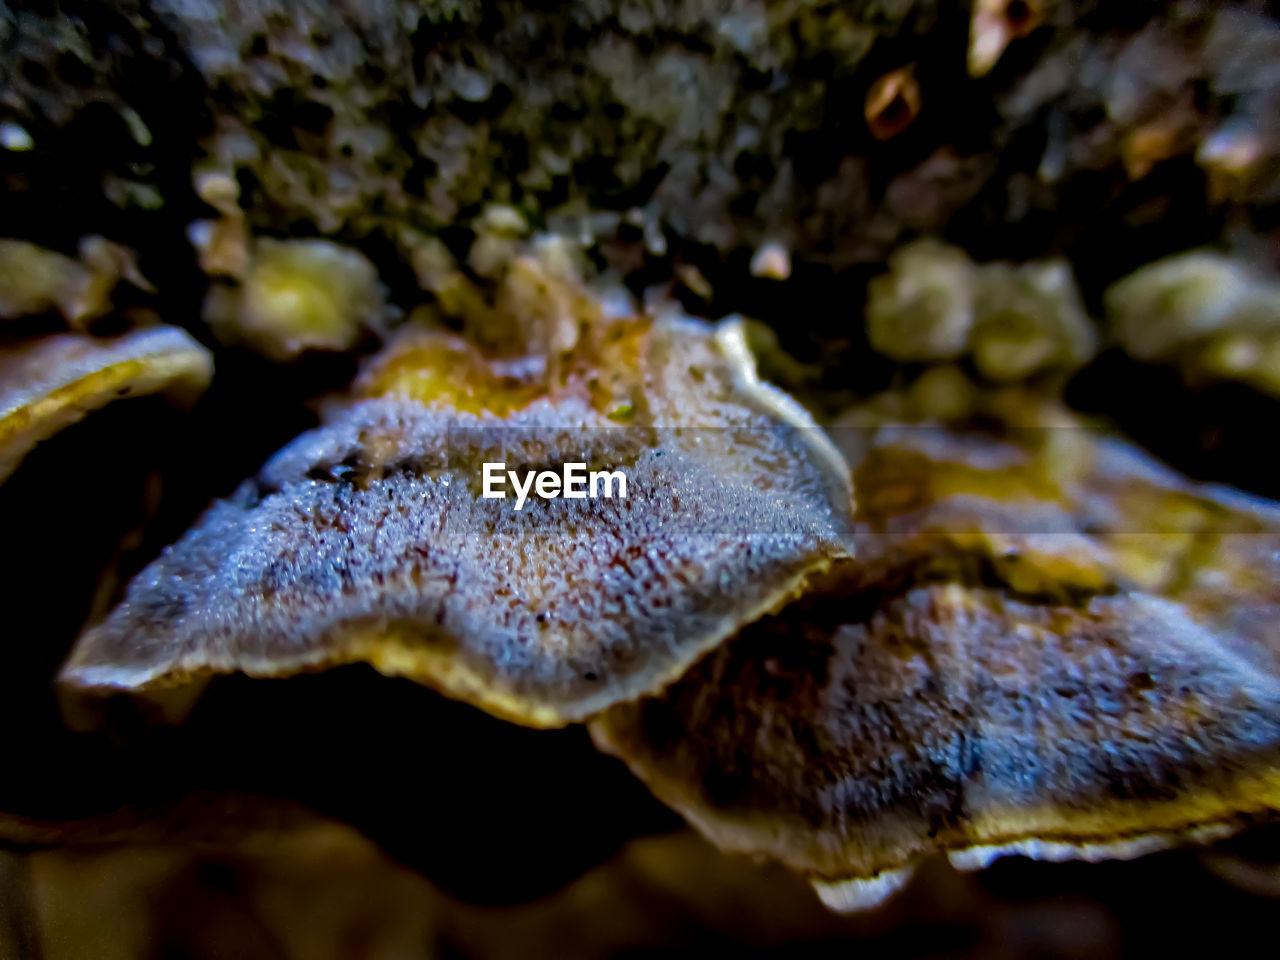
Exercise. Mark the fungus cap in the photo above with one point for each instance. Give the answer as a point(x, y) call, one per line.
point(51, 382)
point(1062, 513)
point(368, 538)
point(850, 740)
point(1024, 659)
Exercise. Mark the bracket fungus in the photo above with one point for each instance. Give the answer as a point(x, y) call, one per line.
point(34, 280)
point(1015, 320)
point(294, 296)
point(367, 540)
point(1204, 311)
point(958, 720)
point(1061, 514)
point(52, 381)
point(1021, 661)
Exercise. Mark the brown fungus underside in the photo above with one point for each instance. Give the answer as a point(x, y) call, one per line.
point(1059, 665)
point(367, 539)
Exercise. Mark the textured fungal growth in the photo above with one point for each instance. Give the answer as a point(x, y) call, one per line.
point(342, 122)
point(851, 737)
point(298, 295)
point(1206, 312)
point(1057, 512)
point(51, 382)
point(369, 538)
point(1048, 645)
point(922, 309)
point(1213, 550)
point(34, 280)
point(222, 244)
point(937, 504)
point(1029, 318)
point(1014, 320)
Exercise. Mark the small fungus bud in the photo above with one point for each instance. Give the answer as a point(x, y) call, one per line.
point(892, 103)
point(772, 260)
point(994, 25)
